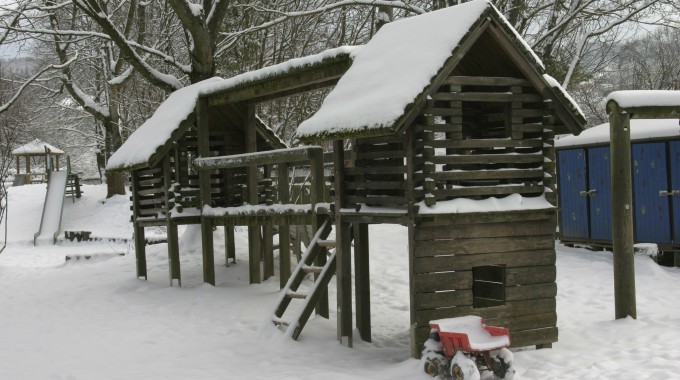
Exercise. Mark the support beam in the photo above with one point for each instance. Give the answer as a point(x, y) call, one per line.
point(173, 253)
point(229, 244)
point(140, 251)
point(254, 242)
point(362, 284)
point(284, 229)
point(343, 250)
point(622, 214)
point(206, 198)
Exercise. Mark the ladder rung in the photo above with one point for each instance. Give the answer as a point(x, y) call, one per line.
point(326, 243)
point(298, 295)
point(311, 269)
point(280, 322)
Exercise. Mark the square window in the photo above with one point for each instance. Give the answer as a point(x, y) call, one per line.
point(488, 286)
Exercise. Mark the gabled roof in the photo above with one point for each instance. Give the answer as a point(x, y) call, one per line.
point(172, 118)
point(153, 139)
point(36, 147)
point(391, 76)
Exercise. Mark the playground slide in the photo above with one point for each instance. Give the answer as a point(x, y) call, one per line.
point(54, 203)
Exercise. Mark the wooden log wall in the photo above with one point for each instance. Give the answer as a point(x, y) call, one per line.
point(452, 255)
point(148, 193)
point(378, 174)
point(480, 137)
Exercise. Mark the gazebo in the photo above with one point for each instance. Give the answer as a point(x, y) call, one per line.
point(36, 148)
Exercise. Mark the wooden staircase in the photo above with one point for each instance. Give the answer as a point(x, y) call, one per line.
point(315, 260)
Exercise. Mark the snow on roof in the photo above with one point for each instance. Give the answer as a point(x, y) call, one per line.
point(556, 85)
point(645, 98)
point(281, 68)
point(158, 129)
point(396, 65)
point(36, 147)
point(640, 129)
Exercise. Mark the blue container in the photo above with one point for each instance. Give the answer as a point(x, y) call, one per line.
point(572, 182)
point(599, 181)
point(650, 177)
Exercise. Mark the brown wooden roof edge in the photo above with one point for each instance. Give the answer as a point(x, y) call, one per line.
point(294, 80)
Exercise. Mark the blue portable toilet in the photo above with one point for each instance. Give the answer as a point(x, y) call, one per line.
point(584, 185)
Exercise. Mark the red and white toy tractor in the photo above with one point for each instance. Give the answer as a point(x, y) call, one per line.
point(463, 347)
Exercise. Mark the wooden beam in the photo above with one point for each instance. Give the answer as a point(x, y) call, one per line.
point(343, 251)
point(206, 198)
point(362, 282)
point(252, 173)
point(284, 229)
point(319, 75)
point(270, 157)
point(622, 213)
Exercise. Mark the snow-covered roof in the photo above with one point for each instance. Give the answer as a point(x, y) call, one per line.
point(281, 68)
point(158, 129)
point(645, 98)
point(391, 72)
point(640, 129)
point(36, 147)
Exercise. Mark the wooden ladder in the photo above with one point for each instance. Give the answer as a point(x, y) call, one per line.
point(313, 261)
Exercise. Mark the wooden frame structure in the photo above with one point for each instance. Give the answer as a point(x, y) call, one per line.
point(484, 126)
point(622, 200)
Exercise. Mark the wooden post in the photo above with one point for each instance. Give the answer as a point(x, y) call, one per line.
point(229, 244)
point(173, 240)
point(18, 166)
point(316, 191)
point(343, 251)
point(268, 231)
point(254, 242)
point(206, 198)
point(284, 229)
point(173, 253)
point(362, 282)
point(622, 213)
point(140, 250)
point(411, 199)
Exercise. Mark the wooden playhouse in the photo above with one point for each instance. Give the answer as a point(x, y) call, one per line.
point(438, 156)
point(450, 119)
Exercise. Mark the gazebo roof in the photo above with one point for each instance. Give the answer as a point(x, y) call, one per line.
point(36, 148)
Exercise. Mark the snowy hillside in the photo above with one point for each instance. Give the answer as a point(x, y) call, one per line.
point(92, 319)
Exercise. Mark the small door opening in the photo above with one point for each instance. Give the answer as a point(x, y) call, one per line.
point(488, 286)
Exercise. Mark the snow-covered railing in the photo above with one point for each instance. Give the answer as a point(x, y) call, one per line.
point(283, 159)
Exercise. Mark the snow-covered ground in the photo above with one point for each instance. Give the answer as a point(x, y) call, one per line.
point(92, 319)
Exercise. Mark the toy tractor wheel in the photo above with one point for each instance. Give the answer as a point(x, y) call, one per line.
point(434, 361)
point(463, 368)
point(503, 365)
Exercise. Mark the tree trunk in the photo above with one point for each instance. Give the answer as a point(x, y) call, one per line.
point(115, 182)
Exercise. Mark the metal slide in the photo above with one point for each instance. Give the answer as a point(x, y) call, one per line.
point(52, 210)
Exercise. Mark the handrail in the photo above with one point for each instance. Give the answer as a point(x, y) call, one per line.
point(283, 158)
point(270, 157)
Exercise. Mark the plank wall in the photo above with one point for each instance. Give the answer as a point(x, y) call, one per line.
point(148, 193)
point(483, 136)
point(377, 177)
point(448, 247)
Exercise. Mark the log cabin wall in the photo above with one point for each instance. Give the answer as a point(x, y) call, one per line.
point(377, 175)
point(148, 194)
point(480, 137)
point(500, 266)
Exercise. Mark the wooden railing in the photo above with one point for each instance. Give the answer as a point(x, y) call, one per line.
point(283, 159)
